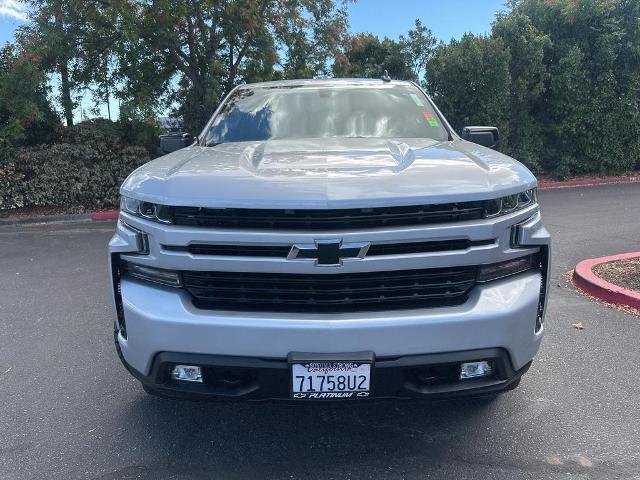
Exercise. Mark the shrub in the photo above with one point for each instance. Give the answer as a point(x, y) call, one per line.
point(84, 169)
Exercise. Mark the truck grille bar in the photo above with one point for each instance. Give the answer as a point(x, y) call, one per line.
point(336, 219)
point(281, 251)
point(311, 293)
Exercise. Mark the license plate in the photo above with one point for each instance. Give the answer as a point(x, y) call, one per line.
point(328, 379)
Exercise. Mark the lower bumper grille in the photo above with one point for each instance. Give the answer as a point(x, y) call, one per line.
point(330, 292)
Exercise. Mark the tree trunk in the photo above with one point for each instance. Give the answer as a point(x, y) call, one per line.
point(63, 69)
point(65, 92)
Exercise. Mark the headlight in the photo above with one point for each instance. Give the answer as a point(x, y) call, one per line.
point(150, 211)
point(151, 274)
point(495, 271)
point(510, 203)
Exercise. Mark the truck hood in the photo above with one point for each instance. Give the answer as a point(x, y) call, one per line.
point(328, 173)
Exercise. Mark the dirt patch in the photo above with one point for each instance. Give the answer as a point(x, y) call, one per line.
point(624, 273)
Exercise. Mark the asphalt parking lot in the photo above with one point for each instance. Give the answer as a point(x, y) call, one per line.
point(69, 410)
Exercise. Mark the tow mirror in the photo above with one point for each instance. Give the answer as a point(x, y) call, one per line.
point(485, 136)
point(171, 142)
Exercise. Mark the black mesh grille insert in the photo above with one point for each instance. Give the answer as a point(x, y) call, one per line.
point(337, 219)
point(344, 292)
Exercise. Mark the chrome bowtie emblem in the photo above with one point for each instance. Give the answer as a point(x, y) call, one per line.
point(328, 253)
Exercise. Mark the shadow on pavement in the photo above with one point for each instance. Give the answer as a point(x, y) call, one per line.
point(288, 440)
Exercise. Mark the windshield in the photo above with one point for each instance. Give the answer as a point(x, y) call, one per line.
point(326, 111)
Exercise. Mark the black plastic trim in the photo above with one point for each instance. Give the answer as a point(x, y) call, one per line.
point(116, 275)
point(268, 379)
point(282, 251)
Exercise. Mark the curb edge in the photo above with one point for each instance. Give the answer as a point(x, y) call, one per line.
point(103, 215)
point(587, 182)
point(589, 282)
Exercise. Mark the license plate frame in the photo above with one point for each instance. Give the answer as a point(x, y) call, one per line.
point(358, 363)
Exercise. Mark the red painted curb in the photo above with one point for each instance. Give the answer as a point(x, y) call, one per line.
point(104, 215)
point(586, 182)
point(595, 286)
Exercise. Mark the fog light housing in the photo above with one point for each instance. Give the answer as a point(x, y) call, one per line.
point(475, 370)
point(187, 373)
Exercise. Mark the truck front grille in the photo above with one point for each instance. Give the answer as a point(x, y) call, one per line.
point(346, 292)
point(336, 219)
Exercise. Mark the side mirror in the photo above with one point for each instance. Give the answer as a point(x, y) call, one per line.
point(171, 142)
point(485, 136)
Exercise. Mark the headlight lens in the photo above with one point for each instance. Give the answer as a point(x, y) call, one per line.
point(148, 210)
point(510, 203)
point(495, 271)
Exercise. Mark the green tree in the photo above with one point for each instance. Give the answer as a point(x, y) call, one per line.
point(590, 108)
point(26, 117)
point(366, 56)
point(54, 36)
point(190, 54)
point(418, 48)
point(528, 73)
point(469, 80)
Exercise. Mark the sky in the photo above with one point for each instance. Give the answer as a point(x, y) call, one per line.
point(391, 18)
point(446, 18)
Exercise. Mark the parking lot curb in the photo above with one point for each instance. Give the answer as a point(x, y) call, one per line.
point(71, 218)
point(589, 282)
point(104, 215)
point(587, 182)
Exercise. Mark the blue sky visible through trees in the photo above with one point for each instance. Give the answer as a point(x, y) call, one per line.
point(392, 18)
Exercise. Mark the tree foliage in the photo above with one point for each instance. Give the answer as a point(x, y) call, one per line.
point(26, 117)
point(560, 78)
point(54, 36)
point(572, 83)
point(366, 56)
point(189, 55)
point(469, 80)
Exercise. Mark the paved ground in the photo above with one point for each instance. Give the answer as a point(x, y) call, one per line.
point(68, 409)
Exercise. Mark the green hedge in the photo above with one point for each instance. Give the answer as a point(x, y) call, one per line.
point(560, 78)
point(84, 168)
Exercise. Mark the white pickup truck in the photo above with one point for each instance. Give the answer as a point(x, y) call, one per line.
point(330, 239)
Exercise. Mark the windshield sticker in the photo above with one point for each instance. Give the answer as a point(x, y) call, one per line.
point(416, 100)
point(428, 116)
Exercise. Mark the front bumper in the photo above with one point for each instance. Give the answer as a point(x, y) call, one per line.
point(163, 325)
point(247, 378)
point(499, 316)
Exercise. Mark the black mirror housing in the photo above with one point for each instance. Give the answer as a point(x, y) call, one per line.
point(170, 142)
point(485, 136)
